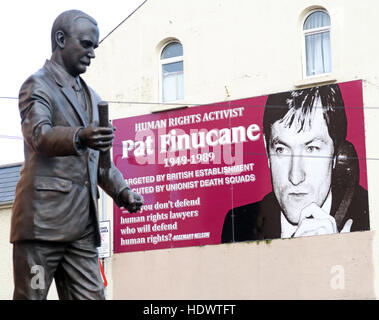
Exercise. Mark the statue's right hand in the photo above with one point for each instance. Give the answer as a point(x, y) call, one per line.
point(98, 138)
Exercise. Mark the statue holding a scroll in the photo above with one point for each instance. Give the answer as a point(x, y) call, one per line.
point(54, 226)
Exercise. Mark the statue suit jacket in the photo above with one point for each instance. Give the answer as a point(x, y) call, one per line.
point(56, 196)
point(261, 220)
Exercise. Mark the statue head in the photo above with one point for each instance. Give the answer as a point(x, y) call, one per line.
point(74, 36)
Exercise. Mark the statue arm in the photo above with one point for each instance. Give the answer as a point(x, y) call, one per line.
point(39, 131)
point(112, 182)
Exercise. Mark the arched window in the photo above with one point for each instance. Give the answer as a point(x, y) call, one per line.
point(316, 30)
point(171, 61)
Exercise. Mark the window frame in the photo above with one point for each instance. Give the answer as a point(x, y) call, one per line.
point(162, 62)
point(313, 31)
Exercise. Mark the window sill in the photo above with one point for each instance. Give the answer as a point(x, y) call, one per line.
point(167, 107)
point(6, 205)
point(315, 81)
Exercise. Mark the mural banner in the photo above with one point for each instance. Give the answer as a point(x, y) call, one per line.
point(283, 165)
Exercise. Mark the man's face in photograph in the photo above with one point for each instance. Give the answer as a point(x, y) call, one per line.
point(301, 163)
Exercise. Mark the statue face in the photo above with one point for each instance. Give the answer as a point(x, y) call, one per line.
point(79, 46)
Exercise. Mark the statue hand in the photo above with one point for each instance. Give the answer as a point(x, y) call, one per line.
point(131, 200)
point(98, 138)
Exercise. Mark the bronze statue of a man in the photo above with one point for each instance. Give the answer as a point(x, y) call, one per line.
point(54, 227)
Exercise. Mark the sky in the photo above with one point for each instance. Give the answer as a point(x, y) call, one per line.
point(25, 27)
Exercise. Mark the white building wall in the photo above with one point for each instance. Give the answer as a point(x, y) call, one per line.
point(250, 48)
point(6, 272)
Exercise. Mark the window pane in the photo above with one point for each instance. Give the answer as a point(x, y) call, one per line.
point(173, 84)
point(173, 87)
point(317, 51)
point(169, 88)
point(317, 19)
point(172, 67)
point(180, 87)
point(174, 49)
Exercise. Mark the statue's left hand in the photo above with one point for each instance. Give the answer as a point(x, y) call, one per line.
point(97, 138)
point(131, 200)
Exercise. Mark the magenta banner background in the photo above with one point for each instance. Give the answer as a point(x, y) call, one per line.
point(210, 203)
